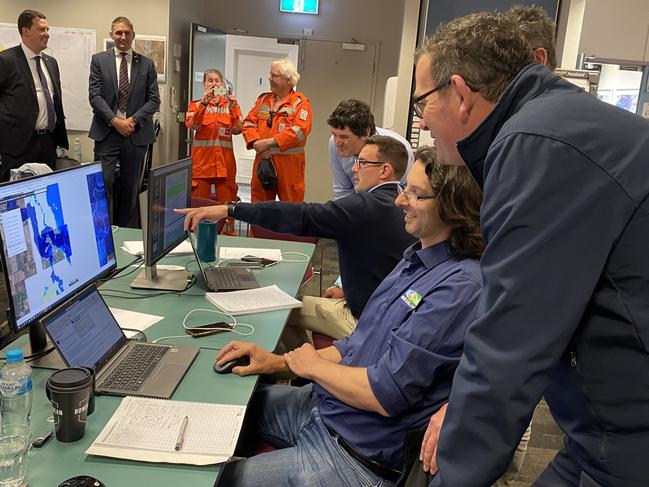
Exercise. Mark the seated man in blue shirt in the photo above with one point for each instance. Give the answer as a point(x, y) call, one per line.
point(393, 371)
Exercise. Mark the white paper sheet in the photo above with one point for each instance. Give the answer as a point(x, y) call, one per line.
point(136, 247)
point(238, 252)
point(133, 319)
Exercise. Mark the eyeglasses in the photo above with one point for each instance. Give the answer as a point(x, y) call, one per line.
point(419, 103)
point(363, 162)
point(412, 197)
point(269, 120)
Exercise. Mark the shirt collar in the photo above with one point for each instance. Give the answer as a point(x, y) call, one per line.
point(430, 256)
point(129, 53)
point(29, 54)
point(384, 184)
point(529, 82)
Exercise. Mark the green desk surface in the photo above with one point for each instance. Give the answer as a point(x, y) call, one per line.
point(57, 461)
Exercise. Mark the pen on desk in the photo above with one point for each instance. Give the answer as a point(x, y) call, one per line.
point(181, 435)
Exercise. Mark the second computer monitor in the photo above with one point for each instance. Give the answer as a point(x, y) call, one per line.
point(169, 188)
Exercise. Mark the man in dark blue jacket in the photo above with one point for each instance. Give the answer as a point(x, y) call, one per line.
point(566, 222)
point(367, 227)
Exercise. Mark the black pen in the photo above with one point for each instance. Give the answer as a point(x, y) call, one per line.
point(181, 435)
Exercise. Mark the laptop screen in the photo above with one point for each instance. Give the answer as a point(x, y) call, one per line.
point(85, 331)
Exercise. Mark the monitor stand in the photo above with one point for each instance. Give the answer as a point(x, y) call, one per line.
point(38, 343)
point(162, 279)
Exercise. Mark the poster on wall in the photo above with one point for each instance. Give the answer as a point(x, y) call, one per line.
point(155, 48)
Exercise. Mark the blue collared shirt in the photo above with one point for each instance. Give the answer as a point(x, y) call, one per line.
point(410, 338)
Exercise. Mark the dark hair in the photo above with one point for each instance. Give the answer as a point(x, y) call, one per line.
point(212, 71)
point(26, 19)
point(486, 49)
point(538, 30)
point(122, 20)
point(458, 202)
point(354, 114)
point(391, 151)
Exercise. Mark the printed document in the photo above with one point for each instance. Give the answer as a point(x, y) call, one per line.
point(155, 430)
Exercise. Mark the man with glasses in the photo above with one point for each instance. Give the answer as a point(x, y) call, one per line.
point(369, 389)
point(277, 128)
point(367, 227)
point(565, 220)
point(351, 123)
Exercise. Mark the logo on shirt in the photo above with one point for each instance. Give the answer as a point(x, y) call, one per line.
point(281, 127)
point(412, 298)
point(303, 114)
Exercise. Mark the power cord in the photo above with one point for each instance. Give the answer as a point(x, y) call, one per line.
point(234, 324)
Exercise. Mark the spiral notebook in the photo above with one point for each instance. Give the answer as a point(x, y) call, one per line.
point(150, 430)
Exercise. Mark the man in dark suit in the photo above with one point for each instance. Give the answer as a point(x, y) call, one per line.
point(124, 96)
point(32, 123)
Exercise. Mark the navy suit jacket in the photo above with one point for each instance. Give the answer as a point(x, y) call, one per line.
point(143, 96)
point(19, 105)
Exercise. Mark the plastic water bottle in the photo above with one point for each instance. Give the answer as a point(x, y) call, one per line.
point(16, 389)
point(77, 150)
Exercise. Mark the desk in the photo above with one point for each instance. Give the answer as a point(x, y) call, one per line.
point(57, 461)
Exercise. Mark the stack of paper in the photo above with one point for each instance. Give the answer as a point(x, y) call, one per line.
point(155, 430)
point(269, 298)
point(136, 247)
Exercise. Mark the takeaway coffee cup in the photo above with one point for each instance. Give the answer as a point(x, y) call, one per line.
point(91, 401)
point(206, 249)
point(69, 392)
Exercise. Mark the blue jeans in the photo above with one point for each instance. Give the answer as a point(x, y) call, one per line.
point(308, 454)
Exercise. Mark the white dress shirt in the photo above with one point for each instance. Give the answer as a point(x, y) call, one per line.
point(118, 63)
point(41, 119)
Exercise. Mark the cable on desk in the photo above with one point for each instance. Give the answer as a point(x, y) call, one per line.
point(134, 295)
point(233, 330)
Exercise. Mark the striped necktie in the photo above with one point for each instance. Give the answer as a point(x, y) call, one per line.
point(49, 105)
point(122, 92)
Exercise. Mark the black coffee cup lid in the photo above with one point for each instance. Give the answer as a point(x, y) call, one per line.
point(71, 377)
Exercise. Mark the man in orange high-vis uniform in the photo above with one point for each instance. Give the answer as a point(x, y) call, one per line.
point(277, 128)
point(215, 118)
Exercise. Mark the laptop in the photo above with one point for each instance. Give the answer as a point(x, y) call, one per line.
point(225, 278)
point(86, 334)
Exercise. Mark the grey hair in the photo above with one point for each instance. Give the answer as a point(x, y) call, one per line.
point(486, 49)
point(287, 69)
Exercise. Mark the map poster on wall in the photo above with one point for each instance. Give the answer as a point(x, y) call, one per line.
point(73, 50)
point(155, 48)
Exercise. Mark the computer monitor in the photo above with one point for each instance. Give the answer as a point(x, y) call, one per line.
point(55, 239)
point(169, 188)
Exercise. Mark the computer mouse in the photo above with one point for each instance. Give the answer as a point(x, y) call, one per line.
point(227, 367)
point(82, 481)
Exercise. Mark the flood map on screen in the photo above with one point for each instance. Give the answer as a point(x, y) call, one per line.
point(55, 237)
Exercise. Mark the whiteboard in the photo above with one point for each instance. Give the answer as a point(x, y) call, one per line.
point(73, 50)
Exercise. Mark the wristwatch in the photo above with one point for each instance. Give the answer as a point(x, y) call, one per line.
point(231, 206)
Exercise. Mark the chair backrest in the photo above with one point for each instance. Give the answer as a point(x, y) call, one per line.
point(65, 162)
point(260, 232)
point(198, 202)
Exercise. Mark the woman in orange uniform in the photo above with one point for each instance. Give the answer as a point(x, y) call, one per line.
point(215, 118)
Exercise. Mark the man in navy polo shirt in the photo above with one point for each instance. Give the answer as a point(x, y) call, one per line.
point(393, 371)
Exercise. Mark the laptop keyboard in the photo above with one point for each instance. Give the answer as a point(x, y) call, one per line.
point(222, 278)
point(135, 368)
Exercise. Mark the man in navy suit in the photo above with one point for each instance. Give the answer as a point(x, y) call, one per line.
point(32, 123)
point(124, 96)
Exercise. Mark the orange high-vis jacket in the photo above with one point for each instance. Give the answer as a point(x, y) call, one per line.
point(214, 124)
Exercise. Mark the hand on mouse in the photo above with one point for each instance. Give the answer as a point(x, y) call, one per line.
point(261, 361)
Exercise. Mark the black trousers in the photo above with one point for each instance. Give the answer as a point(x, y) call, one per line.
point(113, 149)
point(41, 148)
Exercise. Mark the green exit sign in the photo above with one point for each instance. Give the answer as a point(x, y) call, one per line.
point(299, 6)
